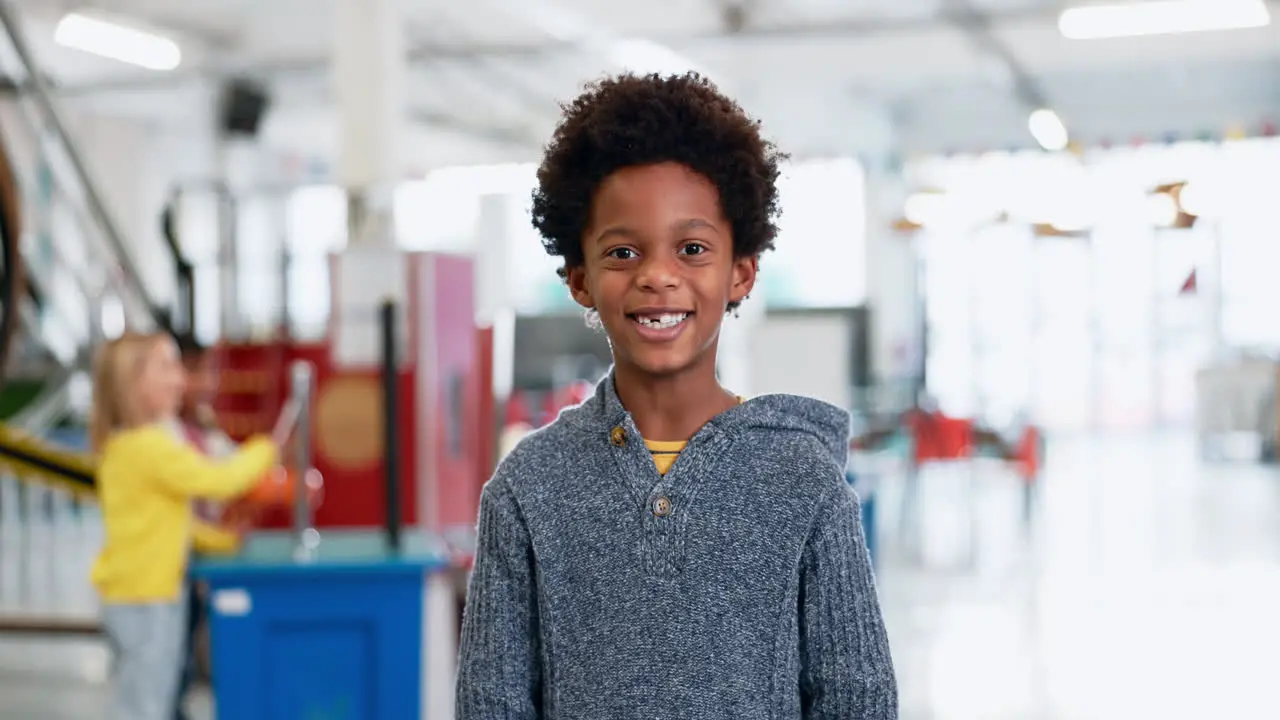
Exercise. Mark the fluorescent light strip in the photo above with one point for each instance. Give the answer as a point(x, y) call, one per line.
point(1168, 17)
point(1048, 130)
point(117, 42)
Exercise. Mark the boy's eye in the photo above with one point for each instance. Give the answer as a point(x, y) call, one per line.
point(693, 248)
point(622, 253)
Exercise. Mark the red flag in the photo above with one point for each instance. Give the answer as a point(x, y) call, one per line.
point(1189, 285)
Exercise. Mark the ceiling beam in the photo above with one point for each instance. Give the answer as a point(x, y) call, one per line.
point(948, 16)
point(557, 49)
point(977, 24)
point(510, 137)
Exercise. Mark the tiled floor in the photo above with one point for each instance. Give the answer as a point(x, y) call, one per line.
point(1145, 586)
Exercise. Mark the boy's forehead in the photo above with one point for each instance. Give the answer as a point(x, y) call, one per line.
point(666, 186)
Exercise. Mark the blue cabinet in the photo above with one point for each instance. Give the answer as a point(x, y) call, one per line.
point(339, 637)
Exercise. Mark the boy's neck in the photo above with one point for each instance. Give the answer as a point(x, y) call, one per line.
point(671, 407)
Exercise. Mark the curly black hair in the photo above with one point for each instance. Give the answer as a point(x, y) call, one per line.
point(631, 120)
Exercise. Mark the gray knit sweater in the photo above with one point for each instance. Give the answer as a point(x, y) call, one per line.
point(736, 586)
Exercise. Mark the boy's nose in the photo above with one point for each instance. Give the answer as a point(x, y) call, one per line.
point(656, 273)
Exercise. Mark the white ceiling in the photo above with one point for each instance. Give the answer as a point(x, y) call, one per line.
point(826, 76)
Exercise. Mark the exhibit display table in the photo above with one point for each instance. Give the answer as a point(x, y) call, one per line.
point(346, 634)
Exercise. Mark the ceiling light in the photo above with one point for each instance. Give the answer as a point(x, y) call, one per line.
point(1167, 17)
point(1047, 128)
point(925, 208)
point(117, 42)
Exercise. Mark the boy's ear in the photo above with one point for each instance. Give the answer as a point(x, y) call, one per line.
point(744, 277)
point(576, 277)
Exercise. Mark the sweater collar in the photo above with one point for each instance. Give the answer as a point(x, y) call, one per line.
point(603, 411)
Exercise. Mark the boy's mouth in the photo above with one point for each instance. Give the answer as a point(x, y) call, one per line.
point(659, 320)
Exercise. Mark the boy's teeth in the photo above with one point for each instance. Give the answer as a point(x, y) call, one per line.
point(666, 320)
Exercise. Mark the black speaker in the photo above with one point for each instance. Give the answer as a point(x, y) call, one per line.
point(244, 102)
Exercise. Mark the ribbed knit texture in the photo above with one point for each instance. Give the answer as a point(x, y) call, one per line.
point(753, 598)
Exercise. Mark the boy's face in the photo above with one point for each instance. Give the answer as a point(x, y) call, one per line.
point(659, 267)
point(202, 382)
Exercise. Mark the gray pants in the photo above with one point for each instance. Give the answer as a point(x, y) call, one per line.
point(148, 643)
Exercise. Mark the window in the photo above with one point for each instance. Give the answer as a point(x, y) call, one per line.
point(199, 227)
point(821, 246)
point(1096, 330)
point(315, 226)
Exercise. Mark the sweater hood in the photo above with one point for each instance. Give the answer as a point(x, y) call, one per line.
point(826, 423)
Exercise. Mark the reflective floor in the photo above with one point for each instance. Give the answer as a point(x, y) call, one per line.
point(1142, 585)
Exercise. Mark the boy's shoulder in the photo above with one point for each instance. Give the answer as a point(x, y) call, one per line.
point(794, 424)
point(539, 450)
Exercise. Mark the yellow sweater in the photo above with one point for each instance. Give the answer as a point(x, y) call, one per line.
point(146, 480)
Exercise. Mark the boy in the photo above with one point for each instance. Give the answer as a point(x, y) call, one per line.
point(667, 550)
point(200, 429)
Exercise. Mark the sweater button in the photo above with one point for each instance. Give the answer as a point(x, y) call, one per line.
point(662, 507)
point(618, 436)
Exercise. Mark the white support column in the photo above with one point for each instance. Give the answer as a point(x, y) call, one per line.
point(892, 274)
point(494, 306)
point(369, 66)
point(439, 651)
point(493, 278)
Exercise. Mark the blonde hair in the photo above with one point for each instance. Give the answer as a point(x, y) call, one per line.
point(116, 371)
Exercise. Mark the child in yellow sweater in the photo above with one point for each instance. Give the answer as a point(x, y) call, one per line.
point(148, 476)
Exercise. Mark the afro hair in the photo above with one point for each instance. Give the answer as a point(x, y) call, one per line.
point(632, 120)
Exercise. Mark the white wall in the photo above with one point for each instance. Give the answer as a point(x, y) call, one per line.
point(803, 354)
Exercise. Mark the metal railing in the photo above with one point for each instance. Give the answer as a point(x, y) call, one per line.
point(46, 125)
point(301, 403)
point(292, 433)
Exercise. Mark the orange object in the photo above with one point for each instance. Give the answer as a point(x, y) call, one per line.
point(275, 490)
point(1027, 454)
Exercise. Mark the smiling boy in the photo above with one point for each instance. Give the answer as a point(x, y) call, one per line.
point(666, 549)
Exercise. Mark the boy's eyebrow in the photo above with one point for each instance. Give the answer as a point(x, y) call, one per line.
point(696, 224)
point(678, 226)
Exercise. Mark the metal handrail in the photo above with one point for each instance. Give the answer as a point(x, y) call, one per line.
point(38, 277)
point(93, 289)
point(294, 423)
point(39, 92)
point(51, 405)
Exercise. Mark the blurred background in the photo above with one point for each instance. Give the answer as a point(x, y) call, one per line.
point(1030, 245)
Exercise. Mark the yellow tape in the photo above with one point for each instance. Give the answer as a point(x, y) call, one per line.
point(27, 473)
point(44, 453)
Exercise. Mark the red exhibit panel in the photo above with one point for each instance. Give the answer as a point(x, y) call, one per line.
point(251, 386)
point(346, 430)
point(441, 409)
point(486, 420)
point(348, 444)
point(449, 395)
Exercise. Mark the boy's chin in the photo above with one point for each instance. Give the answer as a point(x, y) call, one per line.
point(663, 363)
